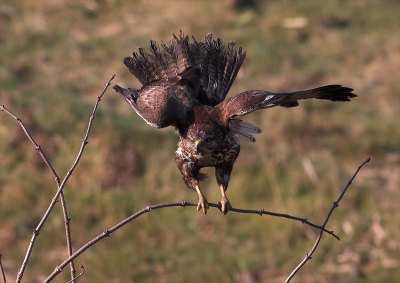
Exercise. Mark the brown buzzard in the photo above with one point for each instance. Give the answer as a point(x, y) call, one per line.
point(185, 85)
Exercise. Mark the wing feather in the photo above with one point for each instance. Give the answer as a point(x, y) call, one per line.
point(219, 64)
point(252, 100)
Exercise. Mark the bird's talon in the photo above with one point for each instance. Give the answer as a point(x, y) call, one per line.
point(225, 205)
point(203, 203)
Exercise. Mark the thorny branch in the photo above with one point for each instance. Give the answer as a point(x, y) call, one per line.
point(335, 204)
point(60, 186)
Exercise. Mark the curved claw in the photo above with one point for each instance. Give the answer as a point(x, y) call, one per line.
point(203, 203)
point(225, 205)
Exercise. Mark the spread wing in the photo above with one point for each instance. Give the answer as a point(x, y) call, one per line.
point(179, 75)
point(163, 104)
point(217, 65)
point(252, 100)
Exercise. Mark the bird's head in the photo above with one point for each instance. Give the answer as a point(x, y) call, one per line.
point(203, 137)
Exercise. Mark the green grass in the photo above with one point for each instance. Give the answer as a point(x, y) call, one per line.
point(55, 59)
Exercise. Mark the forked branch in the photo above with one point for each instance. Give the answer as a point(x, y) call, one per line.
point(79, 275)
point(60, 186)
point(57, 179)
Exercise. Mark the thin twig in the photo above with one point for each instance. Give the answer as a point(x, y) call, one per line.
point(57, 179)
point(67, 231)
point(108, 232)
point(3, 276)
point(79, 275)
point(55, 198)
point(335, 204)
point(302, 220)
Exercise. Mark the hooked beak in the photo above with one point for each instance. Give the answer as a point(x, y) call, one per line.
point(196, 145)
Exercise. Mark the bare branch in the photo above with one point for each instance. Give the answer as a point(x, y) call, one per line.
point(79, 275)
point(335, 204)
point(60, 186)
point(57, 179)
point(108, 232)
point(3, 276)
point(302, 220)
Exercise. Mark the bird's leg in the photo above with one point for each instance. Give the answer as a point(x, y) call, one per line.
point(225, 205)
point(202, 201)
point(222, 173)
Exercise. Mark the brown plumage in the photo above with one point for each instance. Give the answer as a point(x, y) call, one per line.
point(185, 85)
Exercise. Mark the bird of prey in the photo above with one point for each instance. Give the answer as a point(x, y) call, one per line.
point(184, 85)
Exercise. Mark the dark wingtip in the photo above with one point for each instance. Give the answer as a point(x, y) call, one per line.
point(119, 89)
point(335, 92)
point(130, 93)
point(128, 62)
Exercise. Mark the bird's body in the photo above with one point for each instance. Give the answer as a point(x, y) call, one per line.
point(185, 86)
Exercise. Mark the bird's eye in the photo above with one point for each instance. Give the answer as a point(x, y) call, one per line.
point(207, 140)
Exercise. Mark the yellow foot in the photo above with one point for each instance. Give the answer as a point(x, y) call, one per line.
point(225, 205)
point(203, 203)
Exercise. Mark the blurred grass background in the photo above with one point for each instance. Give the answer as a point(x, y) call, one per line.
point(56, 57)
